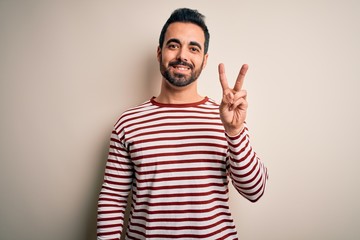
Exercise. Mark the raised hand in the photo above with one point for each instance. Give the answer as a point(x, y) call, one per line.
point(233, 105)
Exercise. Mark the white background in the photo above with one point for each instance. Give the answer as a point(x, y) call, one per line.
point(68, 69)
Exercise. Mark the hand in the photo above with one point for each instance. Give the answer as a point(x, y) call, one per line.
point(233, 105)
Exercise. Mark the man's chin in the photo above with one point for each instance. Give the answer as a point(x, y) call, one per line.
point(180, 82)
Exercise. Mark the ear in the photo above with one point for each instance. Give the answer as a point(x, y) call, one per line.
point(158, 52)
point(205, 60)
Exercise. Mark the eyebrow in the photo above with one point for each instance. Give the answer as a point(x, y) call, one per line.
point(175, 40)
point(196, 44)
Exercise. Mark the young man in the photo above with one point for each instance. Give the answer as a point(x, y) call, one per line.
point(177, 151)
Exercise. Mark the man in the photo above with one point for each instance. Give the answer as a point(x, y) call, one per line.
point(176, 151)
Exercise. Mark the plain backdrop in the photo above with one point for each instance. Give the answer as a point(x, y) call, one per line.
point(68, 69)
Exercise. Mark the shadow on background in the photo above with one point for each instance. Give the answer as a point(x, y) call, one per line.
point(90, 233)
point(150, 83)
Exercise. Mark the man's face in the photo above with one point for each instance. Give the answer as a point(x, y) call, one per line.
point(182, 56)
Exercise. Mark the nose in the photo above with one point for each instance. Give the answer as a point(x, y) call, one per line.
point(182, 54)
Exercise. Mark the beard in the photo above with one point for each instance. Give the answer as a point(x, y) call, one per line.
point(177, 79)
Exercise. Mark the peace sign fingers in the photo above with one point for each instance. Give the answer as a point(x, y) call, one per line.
point(222, 77)
point(240, 79)
point(233, 106)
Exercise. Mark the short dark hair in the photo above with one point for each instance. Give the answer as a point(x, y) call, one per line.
point(186, 15)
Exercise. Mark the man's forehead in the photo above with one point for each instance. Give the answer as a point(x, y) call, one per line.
point(185, 32)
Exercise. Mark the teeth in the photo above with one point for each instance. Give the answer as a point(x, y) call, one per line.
point(182, 68)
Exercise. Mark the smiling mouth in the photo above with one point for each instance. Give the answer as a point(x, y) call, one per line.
point(181, 67)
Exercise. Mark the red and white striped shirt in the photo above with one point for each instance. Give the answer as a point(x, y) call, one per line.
point(176, 160)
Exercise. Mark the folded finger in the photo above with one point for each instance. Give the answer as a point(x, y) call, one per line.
point(240, 103)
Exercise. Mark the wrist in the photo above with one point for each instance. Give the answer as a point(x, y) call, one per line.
point(234, 131)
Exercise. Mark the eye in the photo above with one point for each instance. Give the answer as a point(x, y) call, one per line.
point(194, 49)
point(173, 46)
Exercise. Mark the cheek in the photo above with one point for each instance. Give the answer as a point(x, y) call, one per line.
point(164, 59)
point(200, 62)
point(168, 55)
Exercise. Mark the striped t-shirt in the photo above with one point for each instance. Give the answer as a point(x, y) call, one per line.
point(176, 159)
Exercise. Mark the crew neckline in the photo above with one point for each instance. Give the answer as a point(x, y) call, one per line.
point(194, 104)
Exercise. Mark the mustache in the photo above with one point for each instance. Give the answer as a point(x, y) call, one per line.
point(179, 62)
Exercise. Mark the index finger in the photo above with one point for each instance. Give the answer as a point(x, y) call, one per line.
point(222, 77)
point(240, 79)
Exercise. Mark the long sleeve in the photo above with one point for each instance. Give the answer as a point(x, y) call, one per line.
point(115, 190)
point(247, 172)
point(176, 161)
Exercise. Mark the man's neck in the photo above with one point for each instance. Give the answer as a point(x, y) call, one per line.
point(178, 95)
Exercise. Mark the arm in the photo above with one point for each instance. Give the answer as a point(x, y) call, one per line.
point(115, 190)
point(248, 174)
